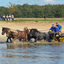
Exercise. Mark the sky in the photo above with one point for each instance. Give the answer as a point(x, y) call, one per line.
point(5, 3)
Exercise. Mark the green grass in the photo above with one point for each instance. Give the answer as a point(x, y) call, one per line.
point(37, 20)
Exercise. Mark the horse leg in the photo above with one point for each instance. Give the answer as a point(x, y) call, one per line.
point(7, 39)
point(35, 39)
point(20, 40)
point(28, 37)
point(14, 39)
point(10, 40)
point(24, 39)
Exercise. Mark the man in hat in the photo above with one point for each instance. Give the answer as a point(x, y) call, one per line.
point(52, 28)
point(59, 26)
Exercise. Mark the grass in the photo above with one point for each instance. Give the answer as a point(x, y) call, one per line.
point(37, 20)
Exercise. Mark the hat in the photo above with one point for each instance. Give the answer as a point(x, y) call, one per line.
point(52, 24)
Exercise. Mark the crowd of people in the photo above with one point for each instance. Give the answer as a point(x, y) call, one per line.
point(7, 17)
point(56, 28)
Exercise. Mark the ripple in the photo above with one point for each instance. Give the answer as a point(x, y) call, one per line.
point(35, 54)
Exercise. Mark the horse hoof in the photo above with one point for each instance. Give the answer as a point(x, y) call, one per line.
point(20, 40)
point(10, 41)
point(14, 42)
point(6, 41)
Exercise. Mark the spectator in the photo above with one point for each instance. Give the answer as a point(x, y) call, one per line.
point(4, 17)
point(44, 17)
point(12, 17)
point(1, 17)
point(7, 17)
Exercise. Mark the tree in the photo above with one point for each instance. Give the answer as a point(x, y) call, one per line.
point(12, 8)
point(33, 11)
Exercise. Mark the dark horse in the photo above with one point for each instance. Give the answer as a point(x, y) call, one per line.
point(19, 35)
point(6, 30)
point(37, 35)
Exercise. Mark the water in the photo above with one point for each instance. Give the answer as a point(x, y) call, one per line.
point(31, 54)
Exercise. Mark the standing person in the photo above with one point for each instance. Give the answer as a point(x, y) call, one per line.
point(7, 17)
point(52, 28)
point(12, 17)
point(4, 17)
point(44, 17)
point(1, 17)
point(59, 26)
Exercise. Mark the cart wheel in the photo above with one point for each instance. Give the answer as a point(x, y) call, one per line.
point(62, 39)
point(54, 40)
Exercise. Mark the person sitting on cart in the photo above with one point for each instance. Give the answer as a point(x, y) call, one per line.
point(53, 28)
point(59, 26)
point(56, 29)
point(57, 33)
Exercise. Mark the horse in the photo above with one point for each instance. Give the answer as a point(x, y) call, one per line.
point(6, 30)
point(37, 35)
point(19, 35)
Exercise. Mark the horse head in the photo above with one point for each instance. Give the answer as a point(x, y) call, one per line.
point(51, 35)
point(26, 30)
point(5, 30)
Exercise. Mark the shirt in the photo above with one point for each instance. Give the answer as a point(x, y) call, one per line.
point(57, 29)
point(53, 28)
point(59, 26)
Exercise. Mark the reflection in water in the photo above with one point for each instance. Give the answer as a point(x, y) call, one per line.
point(15, 46)
point(32, 54)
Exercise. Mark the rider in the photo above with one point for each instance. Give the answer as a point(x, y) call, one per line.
point(52, 28)
point(59, 26)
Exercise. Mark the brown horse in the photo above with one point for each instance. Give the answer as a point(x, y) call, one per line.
point(6, 30)
point(19, 35)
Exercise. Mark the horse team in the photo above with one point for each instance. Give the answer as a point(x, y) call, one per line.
point(27, 34)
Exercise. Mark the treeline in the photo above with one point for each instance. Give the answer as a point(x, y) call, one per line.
point(34, 11)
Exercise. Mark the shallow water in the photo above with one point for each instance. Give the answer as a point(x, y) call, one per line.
point(31, 54)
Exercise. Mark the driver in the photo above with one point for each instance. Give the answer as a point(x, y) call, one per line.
point(53, 28)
